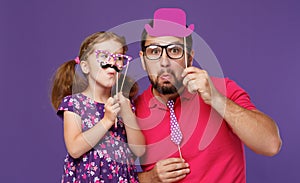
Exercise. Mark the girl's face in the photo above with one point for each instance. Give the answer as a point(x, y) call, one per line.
point(95, 73)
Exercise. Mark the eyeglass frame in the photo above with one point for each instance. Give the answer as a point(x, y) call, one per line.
point(163, 48)
point(114, 56)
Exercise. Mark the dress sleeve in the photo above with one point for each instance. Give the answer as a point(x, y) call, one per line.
point(238, 95)
point(67, 104)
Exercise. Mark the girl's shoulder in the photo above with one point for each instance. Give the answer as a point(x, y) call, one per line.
point(78, 101)
point(71, 103)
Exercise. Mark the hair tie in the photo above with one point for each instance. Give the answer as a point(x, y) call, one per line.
point(77, 60)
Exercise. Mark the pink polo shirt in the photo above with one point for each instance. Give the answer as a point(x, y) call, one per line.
point(213, 151)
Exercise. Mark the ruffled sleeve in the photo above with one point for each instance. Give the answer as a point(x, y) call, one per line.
point(67, 104)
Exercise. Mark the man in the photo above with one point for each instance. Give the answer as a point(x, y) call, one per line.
point(194, 125)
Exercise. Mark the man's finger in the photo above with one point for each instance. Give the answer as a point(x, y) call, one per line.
point(178, 174)
point(171, 161)
point(189, 70)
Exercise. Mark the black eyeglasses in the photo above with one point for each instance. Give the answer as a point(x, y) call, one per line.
point(154, 52)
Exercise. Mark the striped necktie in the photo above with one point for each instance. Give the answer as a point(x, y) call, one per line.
point(176, 135)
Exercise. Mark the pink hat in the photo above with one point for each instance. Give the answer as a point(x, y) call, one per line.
point(169, 22)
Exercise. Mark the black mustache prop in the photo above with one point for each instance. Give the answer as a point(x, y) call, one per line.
point(106, 65)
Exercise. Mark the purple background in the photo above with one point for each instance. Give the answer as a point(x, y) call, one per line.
point(257, 43)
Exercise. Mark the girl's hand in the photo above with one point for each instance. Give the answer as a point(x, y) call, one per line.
point(125, 106)
point(112, 108)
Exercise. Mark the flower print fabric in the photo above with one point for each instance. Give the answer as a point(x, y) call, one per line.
point(110, 160)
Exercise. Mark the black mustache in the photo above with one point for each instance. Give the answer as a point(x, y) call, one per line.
point(105, 65)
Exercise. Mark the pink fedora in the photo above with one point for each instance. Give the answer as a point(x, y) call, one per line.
point(169, 22)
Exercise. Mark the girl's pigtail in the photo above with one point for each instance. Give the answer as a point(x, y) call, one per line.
point(66, 82)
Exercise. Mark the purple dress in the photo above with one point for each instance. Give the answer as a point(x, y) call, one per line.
point(110, 160)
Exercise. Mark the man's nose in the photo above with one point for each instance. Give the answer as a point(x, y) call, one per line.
point(164, 62)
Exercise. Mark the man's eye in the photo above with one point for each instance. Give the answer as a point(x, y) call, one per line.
point(155, 51)
point(174, 50)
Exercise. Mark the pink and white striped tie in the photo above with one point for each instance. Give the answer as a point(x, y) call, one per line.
point(176, 135)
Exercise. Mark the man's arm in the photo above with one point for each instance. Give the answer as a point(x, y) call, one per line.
point(257, 130)
point(168, 170)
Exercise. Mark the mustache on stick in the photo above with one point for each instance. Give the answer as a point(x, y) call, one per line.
point(106, 65)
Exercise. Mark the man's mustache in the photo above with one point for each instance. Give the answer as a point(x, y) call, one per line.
point(169, 71)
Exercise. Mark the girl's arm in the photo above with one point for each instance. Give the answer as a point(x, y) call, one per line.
point(135, 137)
point(78, 142)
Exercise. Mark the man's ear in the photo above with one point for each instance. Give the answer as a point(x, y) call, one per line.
point(191, 58)
point(142, 59)
point(85, 67)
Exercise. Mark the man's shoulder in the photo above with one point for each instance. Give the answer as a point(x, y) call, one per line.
point(223, 81)
point(225, 85)
point(220, 79)
point(220, 83)
point(143, 97)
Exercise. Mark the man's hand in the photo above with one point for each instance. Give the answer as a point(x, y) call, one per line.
point(256, 130)
point(198, 80)
point(168, 170)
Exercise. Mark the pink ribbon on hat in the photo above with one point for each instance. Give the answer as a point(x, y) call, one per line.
point(77, 60)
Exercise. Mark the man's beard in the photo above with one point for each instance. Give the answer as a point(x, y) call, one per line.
point(165, 90)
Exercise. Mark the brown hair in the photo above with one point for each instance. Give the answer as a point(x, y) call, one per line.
point(67, 81)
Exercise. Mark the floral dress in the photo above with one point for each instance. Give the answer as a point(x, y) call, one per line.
point(110, 160)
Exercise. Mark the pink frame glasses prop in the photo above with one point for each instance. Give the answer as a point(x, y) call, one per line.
point(120, 60)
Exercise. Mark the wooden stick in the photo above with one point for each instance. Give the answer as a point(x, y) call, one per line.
point(179, 151)
point(124, 76)
point(185, 52)
point(117, 89)
point(117, 83)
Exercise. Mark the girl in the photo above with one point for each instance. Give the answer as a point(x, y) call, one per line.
point(100, 131)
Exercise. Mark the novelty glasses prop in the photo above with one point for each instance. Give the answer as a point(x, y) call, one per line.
point(119, 61)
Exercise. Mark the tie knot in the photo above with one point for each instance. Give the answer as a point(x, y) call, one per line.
point(170, 104)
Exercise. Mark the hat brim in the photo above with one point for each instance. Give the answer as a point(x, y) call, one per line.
point(166, 28)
